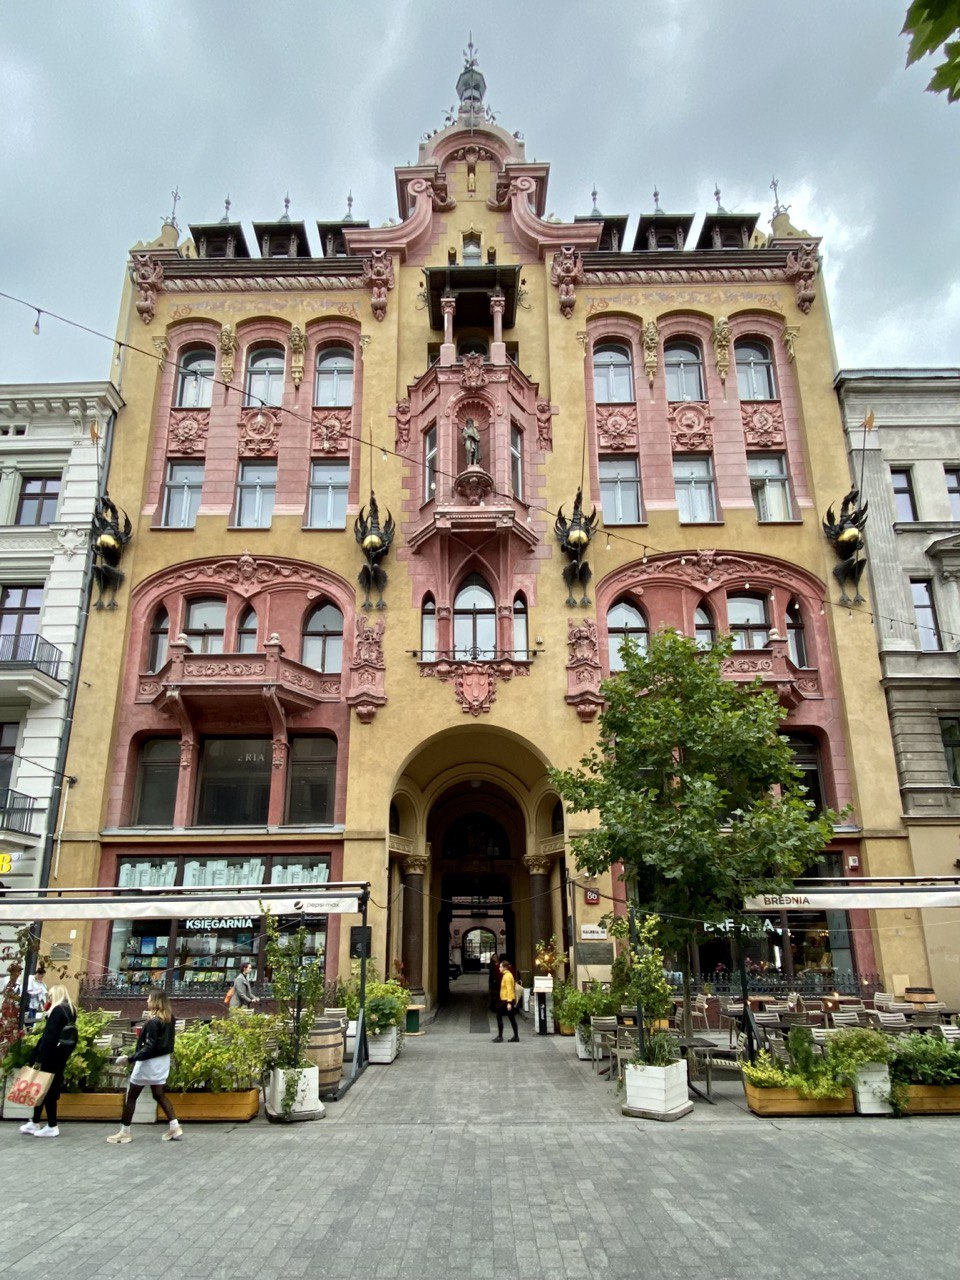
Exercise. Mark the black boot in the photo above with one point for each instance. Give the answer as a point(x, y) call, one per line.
point(514, 1040)
point(498, 1039)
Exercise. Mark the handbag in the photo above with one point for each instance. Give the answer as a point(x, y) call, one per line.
point(30, 1086)
point(229, 996)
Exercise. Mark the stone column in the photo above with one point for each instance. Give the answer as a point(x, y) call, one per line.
point(498, 351)
point(448, 351)
point(541, 916)
point(415, 868)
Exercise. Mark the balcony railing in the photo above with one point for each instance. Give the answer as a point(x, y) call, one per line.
point(16, 811)
point(467, 653)
point(30, 652)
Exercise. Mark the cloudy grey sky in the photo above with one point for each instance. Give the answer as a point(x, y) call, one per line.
point(108, 105)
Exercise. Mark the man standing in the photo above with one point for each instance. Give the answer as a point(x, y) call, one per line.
point(242, 996)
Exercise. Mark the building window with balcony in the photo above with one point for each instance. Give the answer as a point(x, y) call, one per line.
point(159, 640)
point(620, 490)
point(323, 640)
point(256, 491)
point(612, 374)
point(796, 644)
point(247, 631)
point(158, 770)
point(950, 736)
point(195, 379)
point(903, 499)
point(234, 782)
point(952, 475)
point(430, 464)
point(428, 631)
point(769, 486)
point(747, 621)
point(925, 614)
point(334, 388)
point(683, 368)
point(521, 634)
point(474, 622)
point(264, 383)
point(703, 629)
point(205, 624)
point(311, 781)
point(625, 622)
point(693, 484)
point(516, 461)
point(39, 496)
point(329, 485)
point(755, 380)
point(19, 622)
point(181, 495)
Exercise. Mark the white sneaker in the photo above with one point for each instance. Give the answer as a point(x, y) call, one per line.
point(47, 1132)
point(172, 1135)
point(120, 1137)
point(29, 1127)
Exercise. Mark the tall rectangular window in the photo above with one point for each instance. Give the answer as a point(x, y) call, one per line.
point(39, 496)
point(903, 499)
point(9, 733)
point(234, 785)
point(620, 490)
point(181, 495)
point(157, 775)
point(925, 613)
point(516, 461)
point(430, 464)
point(950, 735)
point(19, 622)
point(693, 483)
point(256, 490)
point(329, 482)
point(313, 773)
point(953, 490)
point(769, 486)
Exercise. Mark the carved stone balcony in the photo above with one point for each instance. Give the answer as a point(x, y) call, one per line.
point(774, 667)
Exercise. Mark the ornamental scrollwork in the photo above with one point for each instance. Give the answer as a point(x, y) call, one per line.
point(259, 433)
point(330, 430)
point(762, 424)
point(188, 431)
point(690, 427)
point(617, 426)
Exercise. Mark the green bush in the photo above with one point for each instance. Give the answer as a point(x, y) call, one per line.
point(87, 1064)
point(385, 1006)
point(852, 1048)
point(808, 1072)
point(924, 1060)
point(225, 1056)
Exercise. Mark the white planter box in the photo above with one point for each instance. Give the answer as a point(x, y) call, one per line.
point(584, 1048)
point(351, 1042)
point(871, 1089)
point(657, 1093)
point(384, 1047)
point(306, 1104)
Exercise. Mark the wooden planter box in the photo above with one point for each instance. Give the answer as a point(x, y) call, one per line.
point(933, 1099)
point(90, 1106)
point(196, 1105)
point(788, 1102)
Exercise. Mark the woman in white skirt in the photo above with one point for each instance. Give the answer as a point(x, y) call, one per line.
point(151, 1066)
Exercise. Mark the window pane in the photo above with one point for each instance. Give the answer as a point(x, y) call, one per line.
point(205, 625)
point(334, 377)
point(195, 380)
point(328, 495)
point(693, 483)
point(620, 490)
point(428, 633)
point(247, 633)
point(39, 496)
point(520, 639)
point(925, 613)
point(953, 491)
point(234, 782)
point(683, 370)
point(159, 772)
point(256, 489)
point(430, 464)
point(755, 371)
point(265, 378)
point(769, 486)
point(300, 870)
point(612, 376)
point(181, 500)
point(903, 494)
point(950, 734)
point(313, 770)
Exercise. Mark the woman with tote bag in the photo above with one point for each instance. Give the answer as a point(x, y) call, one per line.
point(57, 1041)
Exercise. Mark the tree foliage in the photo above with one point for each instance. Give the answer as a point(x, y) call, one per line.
point(930, 24)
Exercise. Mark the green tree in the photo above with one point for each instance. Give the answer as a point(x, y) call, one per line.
point(930, 25)
point(696, 791)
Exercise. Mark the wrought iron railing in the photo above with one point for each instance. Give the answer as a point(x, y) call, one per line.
point(776, 982)
point(31, 651)
point(16, 810)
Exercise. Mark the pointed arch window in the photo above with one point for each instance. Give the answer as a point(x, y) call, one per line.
point(428, 631)
point(247, 631)
point(474, 622)
point(521, 631)
point(703, 629)
point(206, 619)
point(472, 252)
point(612, 374)
point(755, 379)
point(159, 640)
point(625, 622)
point(264, 384)
point(195, 378)
point(334, 387)
point(323, 640)
point(683, 367)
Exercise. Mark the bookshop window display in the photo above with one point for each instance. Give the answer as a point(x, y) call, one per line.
point(200, 957)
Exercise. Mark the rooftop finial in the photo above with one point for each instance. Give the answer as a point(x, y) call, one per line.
point(172, 220)
point(595, 212)
point(470, 53)
point(716, 196)
point(471, 85)
point(286, 208)
point(777, 206)
point(226, 210)
point(348, 216)
point(656, 201)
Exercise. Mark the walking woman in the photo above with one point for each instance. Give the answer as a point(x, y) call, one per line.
point(508, 999)
point(151, 1066)
point(57, 1041)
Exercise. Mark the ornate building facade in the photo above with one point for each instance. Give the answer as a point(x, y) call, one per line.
point(420, 404)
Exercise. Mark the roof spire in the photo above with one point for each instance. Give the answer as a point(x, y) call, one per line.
point(595, 212)
point(777, 206)
point(716, 196)
point(286, 208)
point(471, 86)
point(226, 210)
point(348, 216)
point(172, 220)
point(656, 201)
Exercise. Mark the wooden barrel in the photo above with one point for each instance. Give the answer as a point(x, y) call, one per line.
point(325, 1050)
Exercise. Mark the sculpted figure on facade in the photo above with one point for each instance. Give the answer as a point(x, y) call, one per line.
point(545, 412)
point(402, 413)
point(651, 349)
point(846, 534)
point(228, 351)
point(378, 278)
point(474, 375)
point(471, 443)
point(298, 346)
point(721, 346)
point(566, 273)
point(802, 266)
point(148, 277)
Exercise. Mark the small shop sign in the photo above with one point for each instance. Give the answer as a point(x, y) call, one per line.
point(592, 933)
point(591, 897)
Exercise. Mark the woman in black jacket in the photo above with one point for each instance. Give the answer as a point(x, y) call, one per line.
point(57, 1041)
point(151, 1066)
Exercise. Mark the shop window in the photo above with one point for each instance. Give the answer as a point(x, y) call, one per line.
point(428, 631)
point(234, 785)
point(256, 492)
point(769, 486)
point(208, 953)
point(312, 776)
point(195, 379)
point(703, 628)
point(158, 771)
point(521, 638)
point(329, 484)
point(620, 490)
point(747, 621)
point(206, 619)
point(683, 368)
point(693, 486)
point(181, 495)
point(39, 496)
point(430, 464)
point(903, 499)
point(796, 643)
point(925, 613)
point(299, 870)
point(264, 383)
point(323, 640)
point(755, 380)
point(950, 736)
point(516, 461)
point(625, 622)
point(247, 632)
point(334, 387)
point(159, 640)
point(612, 374)
point(474, 622)
point(952, 475)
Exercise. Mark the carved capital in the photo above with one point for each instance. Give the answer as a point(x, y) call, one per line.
point(415, 864)
point(538, 864)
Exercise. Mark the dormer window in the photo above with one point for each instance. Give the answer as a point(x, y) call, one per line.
point(472, 251)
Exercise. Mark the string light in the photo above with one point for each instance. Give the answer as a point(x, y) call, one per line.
point(36, 323)
point(383, 455)
point(607, 547)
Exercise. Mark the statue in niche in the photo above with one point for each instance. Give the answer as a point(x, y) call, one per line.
point(471, 442)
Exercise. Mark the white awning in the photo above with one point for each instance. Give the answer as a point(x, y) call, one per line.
point(23, 906)
point(851, 896)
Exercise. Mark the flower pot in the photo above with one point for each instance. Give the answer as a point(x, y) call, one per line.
point(871, 1090)
point(564, 1030)
point(198, 1105)
point(584, 1052)
point(933, 1099)
point(657, 1093)
point(306, 1102)
point(788, 1102)
point(384, 1047)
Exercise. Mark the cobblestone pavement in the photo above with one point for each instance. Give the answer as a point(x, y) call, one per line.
point(495, 1161)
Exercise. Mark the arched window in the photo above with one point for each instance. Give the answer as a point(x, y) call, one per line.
point(612, 374)
point(556, 819)
point(704, 630)
point(428, 631)
point(206, 618)
point(521, 638)
point(247, 632)
point(625, 622)
point(471, 251)
point(472, 347)
point(796, 643)
point(195, 378)
point(159, 639)
point(683, 366)
point(265, 377)
point(334, 377)
point(755, 380)
point(323, 640)
point(748, 622)
point(474, 621)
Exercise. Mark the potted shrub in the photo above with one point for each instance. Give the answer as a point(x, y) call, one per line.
point(859, 1057)
point(562, 1013)
point(804, 1087)
point(656, 1085)
point(90, 1090)
point(293, 1087)
point(925, 1076)
point(385, 1014)
point(217, 1067)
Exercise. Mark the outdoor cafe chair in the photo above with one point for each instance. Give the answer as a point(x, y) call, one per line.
point(948, 1033)
point(844, 1018)
point(881, 999)
point(900, 1006)
point(603, 1036)
point(731, 1014)
point(893, 1023)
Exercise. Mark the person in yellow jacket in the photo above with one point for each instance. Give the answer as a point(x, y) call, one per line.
point(508, 1001)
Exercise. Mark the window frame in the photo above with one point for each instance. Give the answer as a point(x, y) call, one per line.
point(614, 662)
point(158, 645)
point(952, 477)
point(796, 635)
point(45, 513)
point(342, 385)
point(675, 370)
point(430, 464)
point(747, 387)
point(479, 618)
point(761, 487)
point(264, 495)
point(516, 461)
point(189, 377)
point(613, 381)
point(901, 492)
point(428, 630)
point(296, 767)
point(167, 768)
point(616, 486)
point(246, 632)
point(951, 749)
point(202, 816)
point(331, 653)
point(271, 396)
point(332, 493)
point(208, 636)
point(187, 494)
point(693, 486)
point(934, 644)
point(705, 627)
point(747, 632)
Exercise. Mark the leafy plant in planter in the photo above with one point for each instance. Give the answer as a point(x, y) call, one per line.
point(637, 976)
point(548, 955)
point(919, 1066)
point(86, 1066)
point(660, 1050)
point(858, 1056)
point(300, 993)
point(808, 1071)
point(226, 1056)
